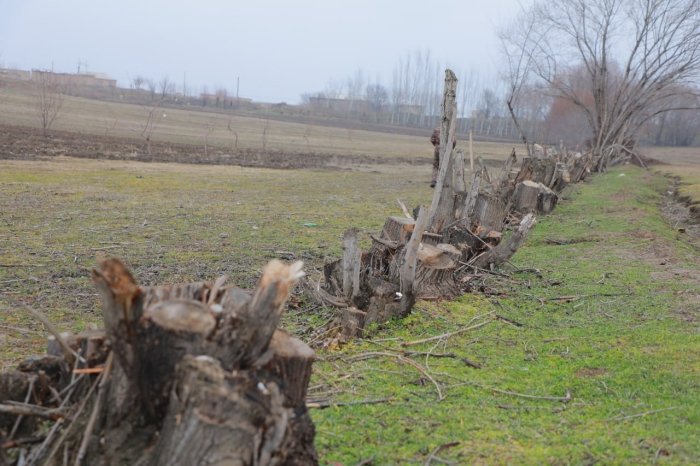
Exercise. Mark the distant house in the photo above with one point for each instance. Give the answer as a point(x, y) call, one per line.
point(71, 80)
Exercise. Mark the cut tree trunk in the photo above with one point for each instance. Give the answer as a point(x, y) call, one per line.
point(197, 374)
point(546, 200)
point(489, 213)
point(398, 229)
point(442, 206)
point(505, 250)
point(525, 196)
point(407, 270)
point(530, 197)
point(352, 256)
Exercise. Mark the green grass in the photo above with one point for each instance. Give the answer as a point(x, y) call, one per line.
point(624, 342)
point(625, 345)
point(170, 223)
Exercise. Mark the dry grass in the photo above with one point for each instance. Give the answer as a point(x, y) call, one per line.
point(89, 116)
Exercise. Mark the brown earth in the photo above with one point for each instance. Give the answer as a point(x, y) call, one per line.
point(24, 143)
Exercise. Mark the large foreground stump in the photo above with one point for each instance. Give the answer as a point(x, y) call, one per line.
point(188, 374)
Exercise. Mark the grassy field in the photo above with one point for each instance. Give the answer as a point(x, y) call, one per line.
point(87, 116)
point(612, 320)
point(170, 222)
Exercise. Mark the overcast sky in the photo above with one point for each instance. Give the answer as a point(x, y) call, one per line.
point(279, 48)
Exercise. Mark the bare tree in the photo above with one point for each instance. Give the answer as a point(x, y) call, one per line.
point(166, 87)
point(138, 82)
point(415, 91)
point(153, 116)
point(378, 96)
point(152, 87)
point(209, 127)
point(205, 95)
point(49, 99)
point(676, 127)
point(489, 103)
point(221, 96)
point(633, 54)
point(334, 89)
point(519, 66)
point(355, 85)
point(233, 131)
point(305, 98)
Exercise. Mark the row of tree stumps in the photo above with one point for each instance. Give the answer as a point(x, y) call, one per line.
point(199, 373)
point(185, 375)
point(428, 254)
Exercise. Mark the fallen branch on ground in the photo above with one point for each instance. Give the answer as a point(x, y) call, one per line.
point(403, 359)
point(451, 334)
point(330, 404)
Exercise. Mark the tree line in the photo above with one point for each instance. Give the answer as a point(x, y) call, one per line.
point(590, 73)
point(593, 73)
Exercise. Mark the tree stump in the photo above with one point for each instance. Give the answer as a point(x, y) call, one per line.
point(525, 196)
point(489, 213)
point(505, 250)
point(182, 375)
point(546, 200)
point(530, 197)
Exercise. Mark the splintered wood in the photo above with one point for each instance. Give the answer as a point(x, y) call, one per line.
point(463, 232)
point(185, 374)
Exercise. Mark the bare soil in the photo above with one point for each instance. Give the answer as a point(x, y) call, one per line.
point(24, 143)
